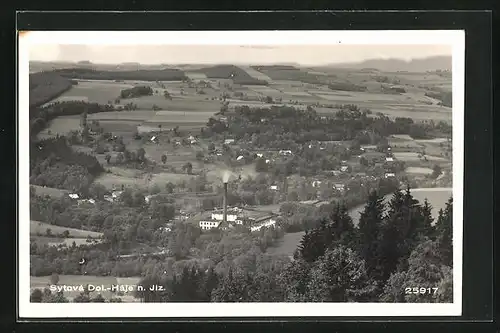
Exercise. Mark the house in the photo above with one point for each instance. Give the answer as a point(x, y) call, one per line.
point(108, 198)
point(218, 216)
point(316, 183)
point(344, 168)
point(154, 139)
point(339, 187)
point(74, 196)
point(116, 194)
point(207, 225)
point(228, 141)
point(147, 198)
point(273, 187)
point(239, 158)
point(389, 175)
point(389, 159)
point(285, 152)
point(263, 223)
point(259, 155)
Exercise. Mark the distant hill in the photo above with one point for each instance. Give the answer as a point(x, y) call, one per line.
point(394, 65)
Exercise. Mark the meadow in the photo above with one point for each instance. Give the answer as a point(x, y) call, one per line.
point(37, 228)
point(50, 191)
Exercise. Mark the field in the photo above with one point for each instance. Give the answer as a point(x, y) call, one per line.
point(50, 191)
point(60, 125)
point(37, 227)
point(42, 282)
point(417, 170)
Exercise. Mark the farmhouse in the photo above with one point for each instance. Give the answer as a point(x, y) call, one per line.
point(339, 187)
point(207, 225)
point(285, 152)
point(389, 175)
point(273, 187)
point(74, 196)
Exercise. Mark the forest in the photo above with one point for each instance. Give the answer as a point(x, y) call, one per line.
point(395, 246)
point(236, 74)
point(284, 127)
point(46, 86)
point(137, 75)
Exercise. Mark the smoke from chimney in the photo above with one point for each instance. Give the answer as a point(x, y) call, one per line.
point(224, 203)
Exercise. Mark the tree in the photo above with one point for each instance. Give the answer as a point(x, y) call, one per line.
point(188, 167)
point(167, 95)
point(108, 158)
point(234, 287)
point(199, 156)
point(269, 99)
point(98, 299)
point(425, 227)
point(444, 233)
point(97, 191)
point(425, 270)
point(211, 147)
point(120, 158)
point(36, 296)
point(436, 171)
point(339, 276)
point(83, 120)
point(164, 158)
point(141, 154)
point(370, 225)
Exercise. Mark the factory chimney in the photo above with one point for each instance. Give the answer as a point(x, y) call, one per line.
point(224, 204)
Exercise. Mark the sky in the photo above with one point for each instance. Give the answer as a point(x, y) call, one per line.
point(210, 54)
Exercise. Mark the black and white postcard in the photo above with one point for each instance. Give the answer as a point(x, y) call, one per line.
point(241, 173)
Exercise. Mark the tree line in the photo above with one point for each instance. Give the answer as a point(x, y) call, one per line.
point(167, 74)
point(395, 247)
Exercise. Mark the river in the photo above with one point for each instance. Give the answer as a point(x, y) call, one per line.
point(437, 197)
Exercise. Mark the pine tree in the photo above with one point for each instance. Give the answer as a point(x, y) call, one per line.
point(370, 224)
point(444, 233)
point(339, 276)
point(425, 227)
point(341, 226)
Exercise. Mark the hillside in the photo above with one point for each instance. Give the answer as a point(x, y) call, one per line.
point(238, 75)
point(394, 65)
point(144, 75)
point(45, 86)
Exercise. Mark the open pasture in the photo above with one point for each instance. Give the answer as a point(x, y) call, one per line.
point(255, 74)
point(37, 227)
point(407, 156)
point(100, 92)
point(64, 242)
point(418, 170)
point(112, 182)
point(196, 75)
point(136, 115)
point(162, 178)
point(61, 125)
point(50, 191)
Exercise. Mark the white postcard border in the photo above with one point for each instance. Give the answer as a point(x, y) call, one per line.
point(454, 38)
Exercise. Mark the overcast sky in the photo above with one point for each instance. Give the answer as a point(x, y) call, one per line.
point(185, 54)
